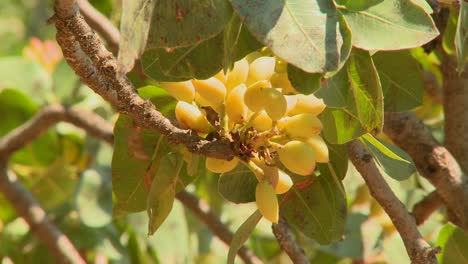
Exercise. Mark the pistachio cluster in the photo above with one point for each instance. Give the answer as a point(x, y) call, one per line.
point(256, 107)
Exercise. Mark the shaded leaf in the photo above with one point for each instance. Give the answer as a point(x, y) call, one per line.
point(338, 155)
point(242, 234)
point(401, 79)
point(315, 41)
point(238, 185)
point(184, 23)
point(304, 82)
point(134, 28)
point(340, 126)
point(317, 207)
point(391, 25)
point(357, 5)
point(163, 189)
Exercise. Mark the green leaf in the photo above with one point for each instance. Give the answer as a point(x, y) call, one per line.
point(94, 198)
point(134, 28)
point(356, 94)
point(238, 185)
point(453, 241)
point(448, 38)
point(401, 79)
point(238, 42)
point(200, 61)
point(304, 82)
point(310, 34)
point(461, 37)
point(357, 5)
point(317, 207)
point(338, 155)
point(242, 234)
point(131, 163)
point(184, 23)
point(391, 25)
point(394, 161)
point(27, 76)
point(16, 108)
point(162, 192)
point(160, 98)
point(340, 126)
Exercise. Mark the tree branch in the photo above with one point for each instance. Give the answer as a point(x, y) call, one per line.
point(285, 237)
point(417, 248)
point(455, 99)
point(432, 160)
point(202, 210)
point(97, 67)
point(424, 208)
point(27, 207)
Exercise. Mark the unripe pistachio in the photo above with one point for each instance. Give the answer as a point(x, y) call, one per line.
point(255, 98)
point(212, 90)
point(219, 165)
point(291, 101)
point(276, 104)
point(302, 125)
point(320, 148)
point(189, 116)
point(236, 109)
point(307, 104)
point(281, 80)
point(262, 122)
point(182, 91)
point(221, 76)
point(261, 69)
point(253, 56)
point(238, 74)
point(298, 157)
point(267, 202)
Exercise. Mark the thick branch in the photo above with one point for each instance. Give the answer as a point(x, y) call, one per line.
point(432, 160)
point(28, 208)
point(97, 67)
point(455, 89)
point(418, 249)
point(202, 210)
point(285, 237)
point(424, 208)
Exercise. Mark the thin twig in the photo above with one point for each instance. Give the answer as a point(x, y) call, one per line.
point(419, 251)
point(432, 160)
point(285, 237)
point(424, 208)
point(97, 67)
point(202, 210)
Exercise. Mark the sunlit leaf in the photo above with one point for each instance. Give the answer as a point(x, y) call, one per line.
point(391, 25)
point(315, 41)
point(452, 241)
point(461, 37)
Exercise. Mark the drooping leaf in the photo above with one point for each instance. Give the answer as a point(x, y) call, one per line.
point(238, 185)
point(304, 82)
point(357, 5)
point(310, 35)
point(394, 161)
point(134, 28)
point(201, 61)
point(317, 207)
point(184, 23)
point(242, 234)
point(391, 25)
point(461, 37)
point(452, 241)
point(94, 198)
point(163, 189)
point(338, 155)
point(401, 79)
